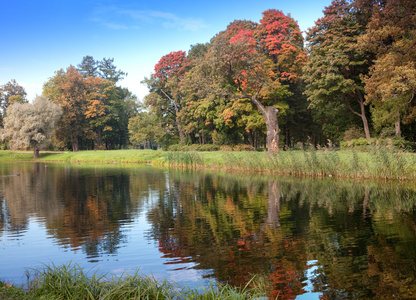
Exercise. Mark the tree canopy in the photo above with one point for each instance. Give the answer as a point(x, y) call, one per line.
point(31, 125)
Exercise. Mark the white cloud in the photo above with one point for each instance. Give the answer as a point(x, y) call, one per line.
point(117, 18)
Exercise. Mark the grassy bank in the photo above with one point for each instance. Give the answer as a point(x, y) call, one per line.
point(380, 163)
point(71, 282)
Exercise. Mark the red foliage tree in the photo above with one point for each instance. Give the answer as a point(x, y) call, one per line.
point(169, 65)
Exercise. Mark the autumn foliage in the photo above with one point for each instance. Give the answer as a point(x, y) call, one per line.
point(254, 82)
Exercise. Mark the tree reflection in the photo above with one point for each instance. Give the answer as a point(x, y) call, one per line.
point(27, 191)
point(237, 227)
point(230, 228)
point(82, 208)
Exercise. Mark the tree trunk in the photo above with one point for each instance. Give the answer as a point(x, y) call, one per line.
point(398, 132)
point(99, 137)
point(75, 146)
point(273, 205)
point(363, 116)
point(272, 124)
point(181, 135)
point(365, 123)
point(251, 138)
point(272, 130)
point(35, 152)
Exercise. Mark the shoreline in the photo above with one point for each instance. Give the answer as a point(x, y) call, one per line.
point(382, 164)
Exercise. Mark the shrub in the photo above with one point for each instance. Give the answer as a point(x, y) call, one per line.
point(194, 147)
point(390, 143)
point(353, 133)
point(243, 147)
point(226, 148)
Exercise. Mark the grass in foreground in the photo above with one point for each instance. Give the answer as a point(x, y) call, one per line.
point(71, 282)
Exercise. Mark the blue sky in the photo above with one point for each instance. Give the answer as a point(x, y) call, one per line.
point(41, 37)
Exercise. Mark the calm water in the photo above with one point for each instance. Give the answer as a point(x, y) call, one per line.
point(309, 238)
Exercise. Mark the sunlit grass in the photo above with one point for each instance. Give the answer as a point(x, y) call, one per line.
point(71, 282)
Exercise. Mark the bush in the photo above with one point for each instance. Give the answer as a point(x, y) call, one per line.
point(357, 143)
point(226, 148)
point(390, 143)
point(243, 147)
point(194, 147)
point(387, 132)
point(353, 133)
point(239, 147)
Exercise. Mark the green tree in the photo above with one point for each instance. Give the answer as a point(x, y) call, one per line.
point(9, 93)
point(88, 67)
point(145, 130)
point(121, 106)
point(107, 70)
point(29, 125)
point(336, 66)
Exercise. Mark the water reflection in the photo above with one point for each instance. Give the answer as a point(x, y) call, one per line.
point(327, 238)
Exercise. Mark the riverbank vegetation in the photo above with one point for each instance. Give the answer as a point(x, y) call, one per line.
point(72, 282)
point(381, 163)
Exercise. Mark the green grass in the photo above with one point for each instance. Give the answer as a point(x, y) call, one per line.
point(71, 282)
point(113, 156)
point(380, 163)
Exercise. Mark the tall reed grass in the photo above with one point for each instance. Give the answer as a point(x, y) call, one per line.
point(380, 163)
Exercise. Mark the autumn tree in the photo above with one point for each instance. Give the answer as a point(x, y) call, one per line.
point(96, 111)
point(391, 83)
point(68, 89)
point(31, 125)
point(255, 62)
point(336, 65)
point(165, 98)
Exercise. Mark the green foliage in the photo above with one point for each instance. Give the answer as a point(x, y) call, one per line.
point(145, 130)
point(391, 144)
point(10, 292)
point(336, 66)
point(9, 93)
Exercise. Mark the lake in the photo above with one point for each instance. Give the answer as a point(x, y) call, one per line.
point(309, 238)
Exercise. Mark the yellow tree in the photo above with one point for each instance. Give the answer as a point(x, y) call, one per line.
point(391, 83)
